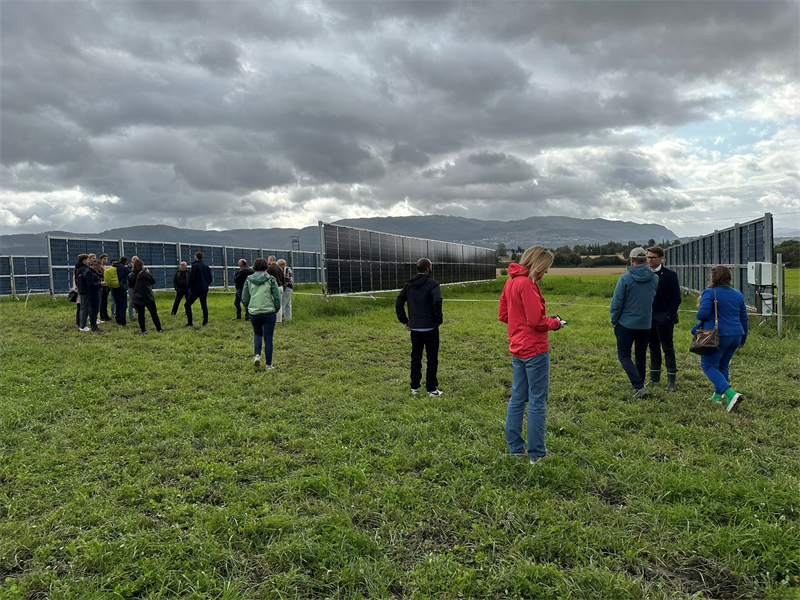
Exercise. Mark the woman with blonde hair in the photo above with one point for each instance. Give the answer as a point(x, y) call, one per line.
point(522, 308)
point(730, 316)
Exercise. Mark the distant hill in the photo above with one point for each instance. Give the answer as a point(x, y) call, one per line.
point(549, 231)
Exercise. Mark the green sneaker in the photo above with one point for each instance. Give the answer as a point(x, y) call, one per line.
point(734, 399)
point(717, 398)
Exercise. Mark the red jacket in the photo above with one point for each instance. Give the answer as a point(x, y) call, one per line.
point(522, 308)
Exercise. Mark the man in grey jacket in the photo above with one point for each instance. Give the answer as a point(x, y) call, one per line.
point(631, 316)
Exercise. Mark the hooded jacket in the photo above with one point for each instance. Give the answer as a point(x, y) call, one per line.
point(632, 304)
point(424, 297)
point(260, 294)
point(522, 309)
point(91, 282)
point(200, 277)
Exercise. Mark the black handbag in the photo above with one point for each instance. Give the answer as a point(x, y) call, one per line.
point(706, 341)
point(72, 296)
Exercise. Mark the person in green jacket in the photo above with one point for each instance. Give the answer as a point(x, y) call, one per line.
point(262, 299)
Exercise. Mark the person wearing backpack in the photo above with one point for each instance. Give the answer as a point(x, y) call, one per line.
point(112, 302)
point(104, 295)
point(141, 282)
point(262, 299)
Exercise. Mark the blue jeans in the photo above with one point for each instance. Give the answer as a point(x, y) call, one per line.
point(263, 328)
point(639, 339)
point(531, 385)
point(715, 365)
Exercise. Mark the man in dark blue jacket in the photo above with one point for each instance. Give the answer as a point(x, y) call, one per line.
point(424, 298)
point(200, 279)
point(239, 278)
point(181, 284)
point(665, 317)
point(120, 294)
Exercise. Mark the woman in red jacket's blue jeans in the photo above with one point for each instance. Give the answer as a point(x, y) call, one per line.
point(733, 322)
point(522, 308)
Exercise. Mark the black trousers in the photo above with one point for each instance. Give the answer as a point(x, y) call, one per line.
point(429, 342)
point(638, 339)
point(121, 300)
point(661, 338)
point(104, 304)
point(94, 306)
point(153, 315)
point(179, 295)
point(193, 295)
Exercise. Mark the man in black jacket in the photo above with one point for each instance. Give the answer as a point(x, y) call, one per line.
point(94, 284)
point(665, 317)
point(200, 279)
point(238, 281)
point(181, 284)
point(120, 294)
point(82, 308)
point(424, 299)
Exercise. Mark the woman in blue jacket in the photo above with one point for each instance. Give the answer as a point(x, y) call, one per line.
point(733, 322)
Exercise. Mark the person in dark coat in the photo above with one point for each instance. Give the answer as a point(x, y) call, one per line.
point(120, 294)
point(93, 286)
point(105, 291)
point(81, 308)
point(242, 273)
point(424, 298)
point(200, 279)
point(141, 282)
point(181, 284)
point(665, 317)
point(276, 271)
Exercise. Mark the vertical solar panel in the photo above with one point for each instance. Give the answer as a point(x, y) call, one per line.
point(360, 260)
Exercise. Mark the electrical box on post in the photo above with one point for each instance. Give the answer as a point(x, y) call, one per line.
point(760, 273)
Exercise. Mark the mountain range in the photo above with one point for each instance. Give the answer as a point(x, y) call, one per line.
point(548, 231)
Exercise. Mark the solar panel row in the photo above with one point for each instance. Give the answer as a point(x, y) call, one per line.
point(359, 260)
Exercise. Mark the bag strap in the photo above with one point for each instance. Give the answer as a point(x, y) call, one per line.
point(137, 281)
point(716, 317)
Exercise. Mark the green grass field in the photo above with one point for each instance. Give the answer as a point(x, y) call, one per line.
point(163, 466)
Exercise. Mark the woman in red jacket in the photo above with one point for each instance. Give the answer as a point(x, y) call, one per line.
point(522, 308)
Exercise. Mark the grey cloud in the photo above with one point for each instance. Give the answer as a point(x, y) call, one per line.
point(634, 169)
point(331, 157)
point(481, 169)
point(221, 57)
point(409, 154)
point(41, 139)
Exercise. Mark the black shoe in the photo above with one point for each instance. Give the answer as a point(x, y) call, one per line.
point(188, 325)
point(160, 331)
point(236, 318)
point(206, 323)
point(173, 314)
point(145, 332)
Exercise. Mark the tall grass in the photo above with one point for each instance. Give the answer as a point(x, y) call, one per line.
point(166, 467)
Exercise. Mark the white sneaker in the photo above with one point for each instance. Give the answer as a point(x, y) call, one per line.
point(269, 367)
point(436, 393)
point(257, 361)
point(87, 328)
point(99, 321)
point(414, 391)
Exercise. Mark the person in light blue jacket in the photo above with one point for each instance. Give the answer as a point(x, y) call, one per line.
point(631, 316)
point(733, 325)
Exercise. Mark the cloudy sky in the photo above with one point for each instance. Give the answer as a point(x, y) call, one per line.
point(219, 115)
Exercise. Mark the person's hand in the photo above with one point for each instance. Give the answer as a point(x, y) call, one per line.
point(406, 326)
point(741, 346)
point(102, 283)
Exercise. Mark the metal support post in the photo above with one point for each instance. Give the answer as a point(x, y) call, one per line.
point(322, 278)
point(11, 278)
point(121, 248)
point(737, 256)
point(225, 267)
point(50, 268)
point(779, 286)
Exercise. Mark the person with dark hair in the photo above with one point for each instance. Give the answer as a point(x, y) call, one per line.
point(665, 317)
point(242, 273)
point(262, 299)
point(112, 301)
point(200, 279)
point(93, 285)
point(103, 258)
point(130, 292)
point(424, 298)
point(522, 308)
point(181, 284)
point(275, 270)
point(82, 304)
point(632, 316)
point(724, 306)
point(141, 282)
point(120, 294)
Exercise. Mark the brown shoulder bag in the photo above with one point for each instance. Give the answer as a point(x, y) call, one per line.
point(706, 341)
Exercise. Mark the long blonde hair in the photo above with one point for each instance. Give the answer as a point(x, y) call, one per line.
point(537, 259)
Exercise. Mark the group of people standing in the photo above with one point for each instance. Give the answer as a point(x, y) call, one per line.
point(644, 312)
point(265, 291)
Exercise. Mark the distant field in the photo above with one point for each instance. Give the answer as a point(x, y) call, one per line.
point(792, 282)
point(163, 466)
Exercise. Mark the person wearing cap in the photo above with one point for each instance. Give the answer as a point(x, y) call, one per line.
point(665, 317)
point(632, 315)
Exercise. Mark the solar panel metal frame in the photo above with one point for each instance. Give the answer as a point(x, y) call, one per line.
point(388, 260)
point(734, 246)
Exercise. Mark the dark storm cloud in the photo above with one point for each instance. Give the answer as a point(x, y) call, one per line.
point(214, 108)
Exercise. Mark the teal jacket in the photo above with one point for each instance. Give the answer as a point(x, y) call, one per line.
point(632, 304)
point(260, 294)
